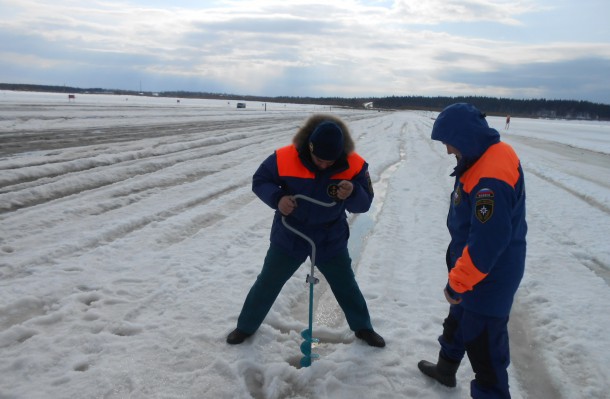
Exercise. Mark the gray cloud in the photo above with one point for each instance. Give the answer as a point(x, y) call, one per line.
point(265, 26)
point(272, 47)
point(579, 79)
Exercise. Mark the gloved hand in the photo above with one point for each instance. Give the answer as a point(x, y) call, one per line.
point(451, 296)
point(286, 205)
point(345, 189)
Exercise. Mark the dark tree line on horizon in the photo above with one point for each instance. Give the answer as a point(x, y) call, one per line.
point(532, 108)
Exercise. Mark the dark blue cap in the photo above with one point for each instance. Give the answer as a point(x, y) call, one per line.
point(326, 141)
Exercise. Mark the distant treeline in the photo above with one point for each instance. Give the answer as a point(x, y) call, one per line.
point(533, 108)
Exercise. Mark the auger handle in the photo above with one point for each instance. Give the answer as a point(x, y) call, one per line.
point(303, 236)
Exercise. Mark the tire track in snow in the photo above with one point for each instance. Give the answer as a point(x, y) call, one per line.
point(583, 196)
point(54, 167)
point(560, 224)
point(53, 139)
point(127, 227)
point(130, 166)
point(597, 165)
point(554, 227)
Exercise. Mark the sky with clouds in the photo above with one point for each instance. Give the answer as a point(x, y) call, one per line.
point(554, 49)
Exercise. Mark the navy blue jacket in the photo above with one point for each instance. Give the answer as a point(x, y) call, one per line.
point(290, 172)
point(486, 219)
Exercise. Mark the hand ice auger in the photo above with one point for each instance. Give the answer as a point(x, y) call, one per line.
point(308, 334)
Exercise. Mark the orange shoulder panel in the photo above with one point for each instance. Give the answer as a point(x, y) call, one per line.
point(355, 162)
point(499, 162)
point(465, 274)
point(289, 164)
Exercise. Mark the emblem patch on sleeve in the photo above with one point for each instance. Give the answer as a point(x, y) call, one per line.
point(484, 204)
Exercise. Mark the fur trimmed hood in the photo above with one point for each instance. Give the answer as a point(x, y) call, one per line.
point(301, 138)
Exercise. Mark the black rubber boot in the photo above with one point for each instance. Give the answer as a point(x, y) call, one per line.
point(371, 338)
point(443, 372)
point(236, 337)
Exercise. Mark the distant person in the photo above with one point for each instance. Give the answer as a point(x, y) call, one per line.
point(507, 122)
point(486, 255)
point(320, 163)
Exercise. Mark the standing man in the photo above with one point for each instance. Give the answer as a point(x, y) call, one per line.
point(486, 255)
point(507, 122)
point(321, 164)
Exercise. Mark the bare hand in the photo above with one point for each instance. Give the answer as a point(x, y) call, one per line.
point(451, 300)
point(286, 205)
point(345, 189)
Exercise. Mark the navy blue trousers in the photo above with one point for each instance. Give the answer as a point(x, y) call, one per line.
point(485, 341)
point(280, 266)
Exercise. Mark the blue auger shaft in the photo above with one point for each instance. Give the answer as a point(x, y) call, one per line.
point(306, 361)
point(311, 284)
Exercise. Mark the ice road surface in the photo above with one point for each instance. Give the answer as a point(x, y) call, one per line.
point(129, 237)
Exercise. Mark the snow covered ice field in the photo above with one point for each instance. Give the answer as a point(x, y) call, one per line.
point(129, 236)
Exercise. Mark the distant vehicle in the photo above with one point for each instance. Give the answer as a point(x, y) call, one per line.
point(241, 105)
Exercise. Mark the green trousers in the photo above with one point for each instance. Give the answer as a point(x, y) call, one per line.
point(280, 266)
